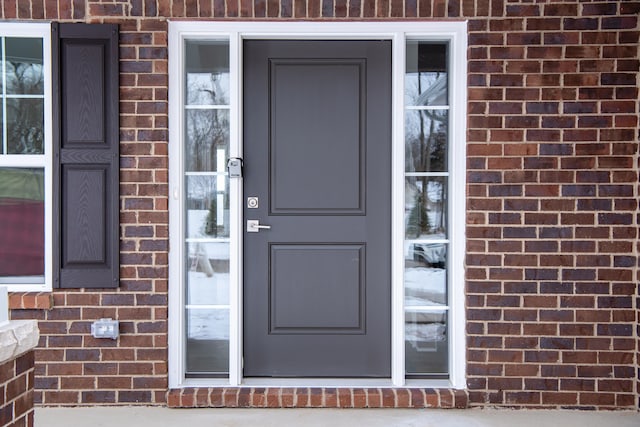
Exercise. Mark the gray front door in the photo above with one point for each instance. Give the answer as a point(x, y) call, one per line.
point(317, 157)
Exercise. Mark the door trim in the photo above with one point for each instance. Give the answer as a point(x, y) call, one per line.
point(454, 32)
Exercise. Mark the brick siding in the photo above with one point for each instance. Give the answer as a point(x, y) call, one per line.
point(16, 391)
point(552, 197)
point(552, 213)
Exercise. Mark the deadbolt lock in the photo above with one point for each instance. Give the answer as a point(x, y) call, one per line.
point(252, 202)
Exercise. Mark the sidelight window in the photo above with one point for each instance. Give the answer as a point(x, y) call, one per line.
point(426, 209)
point(206, 208)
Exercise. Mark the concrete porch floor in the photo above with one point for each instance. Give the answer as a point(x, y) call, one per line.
point(159, 416)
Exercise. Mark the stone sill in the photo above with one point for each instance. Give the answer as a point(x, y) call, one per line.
point(30, 300)
point(17, 337)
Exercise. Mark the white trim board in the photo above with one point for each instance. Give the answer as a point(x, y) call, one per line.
point(454, 32)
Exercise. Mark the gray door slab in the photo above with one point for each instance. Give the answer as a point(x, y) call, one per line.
point(317, 150)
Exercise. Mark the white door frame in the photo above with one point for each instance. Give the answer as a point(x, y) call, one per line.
point(453, 32)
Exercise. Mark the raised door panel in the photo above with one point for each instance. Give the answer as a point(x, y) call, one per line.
point(316, 139)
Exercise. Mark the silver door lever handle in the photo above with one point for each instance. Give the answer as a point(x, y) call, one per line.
point(253, 226)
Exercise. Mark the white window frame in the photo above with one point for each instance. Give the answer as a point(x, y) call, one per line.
point(45, 161)
point(454, 33)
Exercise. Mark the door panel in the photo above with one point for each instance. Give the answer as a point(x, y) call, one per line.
point(317, 149)
point(310, 281)
point(310, 132)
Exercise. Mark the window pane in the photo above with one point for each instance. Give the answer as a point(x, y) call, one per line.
point(207, 285)
point(425, 274)
point(207, 206)
point(426, 137)
point(426, 207)
point(208, 273)
point(207, 68)
point(25, 126)
point(21, 225)
point(207, 139)
point(23, 60)
point(426, 80)
point(426, 343)
point(207, 341)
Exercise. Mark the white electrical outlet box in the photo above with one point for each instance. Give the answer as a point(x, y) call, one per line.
point(105, 328)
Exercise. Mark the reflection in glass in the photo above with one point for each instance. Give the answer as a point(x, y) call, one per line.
point(207, 340)
point(21, 225)
point(25, 126)
point(426, 343)
point(426, 136)
point(207, 206)
point(425, 274)
point(426, 89)
point(426, 77)
point(207, 273)
point(207, 132)
point(426, 207)
point(207, 69)
point(207, 89)
point(24, 71)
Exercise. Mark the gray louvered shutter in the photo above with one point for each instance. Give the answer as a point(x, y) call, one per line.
point(86, 155)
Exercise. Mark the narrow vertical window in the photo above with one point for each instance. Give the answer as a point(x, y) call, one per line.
point(22, 161)
point(426, 244)
point(206, 204)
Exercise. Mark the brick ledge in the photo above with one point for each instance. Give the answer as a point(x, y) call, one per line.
point(30, 300)
point(316, 397)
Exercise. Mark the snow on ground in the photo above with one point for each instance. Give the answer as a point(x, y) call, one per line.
point(207, 323)
point(425, 286)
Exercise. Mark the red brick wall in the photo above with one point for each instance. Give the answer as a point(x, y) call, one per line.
point(16, 391)
point(552, 224)
point(552, 205)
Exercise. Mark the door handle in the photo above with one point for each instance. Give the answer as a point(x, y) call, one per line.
point(253, 226)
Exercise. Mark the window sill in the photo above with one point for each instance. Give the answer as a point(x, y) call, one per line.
point(30, 300)
point(320, 397)
point(16, 338)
